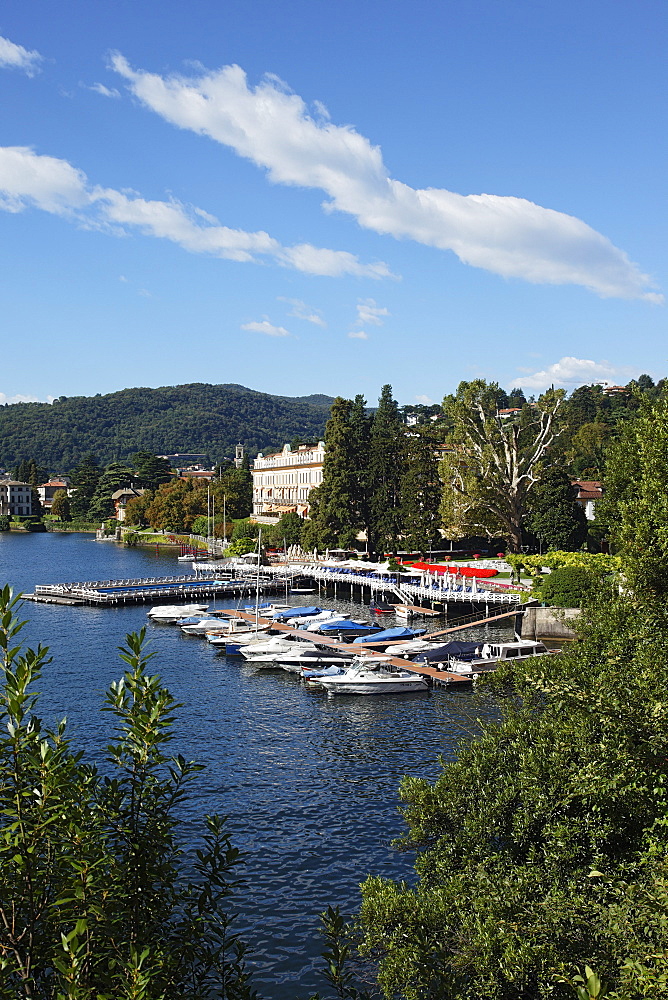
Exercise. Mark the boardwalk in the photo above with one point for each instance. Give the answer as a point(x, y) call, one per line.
point(151, 590)
point(439, 589)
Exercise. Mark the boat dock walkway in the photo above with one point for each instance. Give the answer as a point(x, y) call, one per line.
point(437, 678)
point(149, 590)
point(433, 588)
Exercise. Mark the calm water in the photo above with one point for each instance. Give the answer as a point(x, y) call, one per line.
point(309, 782)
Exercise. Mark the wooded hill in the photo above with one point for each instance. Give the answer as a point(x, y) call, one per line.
point(168, 420)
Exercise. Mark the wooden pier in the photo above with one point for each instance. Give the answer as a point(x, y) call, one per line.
point(436, 677)
point(153, 590)
point(441, 590)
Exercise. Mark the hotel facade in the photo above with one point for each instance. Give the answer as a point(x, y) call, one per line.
point(282, 481)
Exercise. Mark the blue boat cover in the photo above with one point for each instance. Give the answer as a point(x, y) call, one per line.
point(441, 653)
point(297, 613)
point(339, 626)
point(401, 632)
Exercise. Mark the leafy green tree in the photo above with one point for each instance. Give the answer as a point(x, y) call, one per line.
point(495, 462)
point(97, 896)
point(85, 479)
point(116, 476)
point(387, 457)
point(137, 508)
point(237, 487)
point(537, 845)
point(151, 471)
point(420, 495)
point(288, 531)
point(554, 516)
point(29, 471)
point(60, 506)
point(335, 516)
point(587, 451)
point(635, 502)
point(570, 586)
point(360, 443)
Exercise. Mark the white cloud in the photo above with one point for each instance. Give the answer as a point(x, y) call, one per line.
point(425, 400)
point(13, 56)
point(21, 398)
point(358, 335)
point(574, 372)
point(31, 180)
point(264, 326)
point(301, 311)
point(369, 312)
point(271, 127)
point(99, 88)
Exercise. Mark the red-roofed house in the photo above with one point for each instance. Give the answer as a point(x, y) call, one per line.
point(589, 491)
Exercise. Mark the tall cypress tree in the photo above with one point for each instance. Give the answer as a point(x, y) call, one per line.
point(420, 495)
point(360, 433)
point(386, 465)
point(116, 476)
point(554, 515)
point(85, 478)
point(335, 516)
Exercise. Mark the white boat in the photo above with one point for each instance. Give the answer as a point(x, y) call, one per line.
point(411, 647)
point(312, 674)
point(248, 633)
point(296, 659)
point(267, 610)
point(493, 653)
point(239, 640)
point(168, 613)
point(203, 626)
point(267, 651)
point(372, 675)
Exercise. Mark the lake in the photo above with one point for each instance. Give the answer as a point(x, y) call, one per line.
point(309, 782)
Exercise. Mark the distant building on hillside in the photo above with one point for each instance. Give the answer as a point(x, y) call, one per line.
point(205, 474)
point(47, 491)
point(587, 492)
point(185, 460)
point(121, 499)
point(283, 481)
point(15, 498)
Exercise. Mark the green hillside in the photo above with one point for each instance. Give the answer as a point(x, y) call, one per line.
point(171, 419)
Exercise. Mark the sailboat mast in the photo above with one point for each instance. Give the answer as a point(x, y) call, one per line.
point(257, 581)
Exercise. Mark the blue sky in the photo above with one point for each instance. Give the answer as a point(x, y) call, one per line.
point(302, 197)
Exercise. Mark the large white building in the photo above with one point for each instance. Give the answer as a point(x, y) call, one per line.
point(282, 482)
point(15, 498)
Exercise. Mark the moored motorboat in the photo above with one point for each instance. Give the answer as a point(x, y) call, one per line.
point(390, 635)
point(169, 613)
point(348, 627)
point(373, 675)
point(301, 612)
point(270, 648)
point(471, 658)
point(312, 674)
point(293, 661)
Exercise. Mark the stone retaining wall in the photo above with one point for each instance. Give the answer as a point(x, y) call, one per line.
point(549, 623)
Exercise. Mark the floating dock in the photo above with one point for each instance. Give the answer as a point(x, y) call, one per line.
point(152, 590)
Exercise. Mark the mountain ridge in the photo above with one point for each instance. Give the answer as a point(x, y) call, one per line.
point(193, 417)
